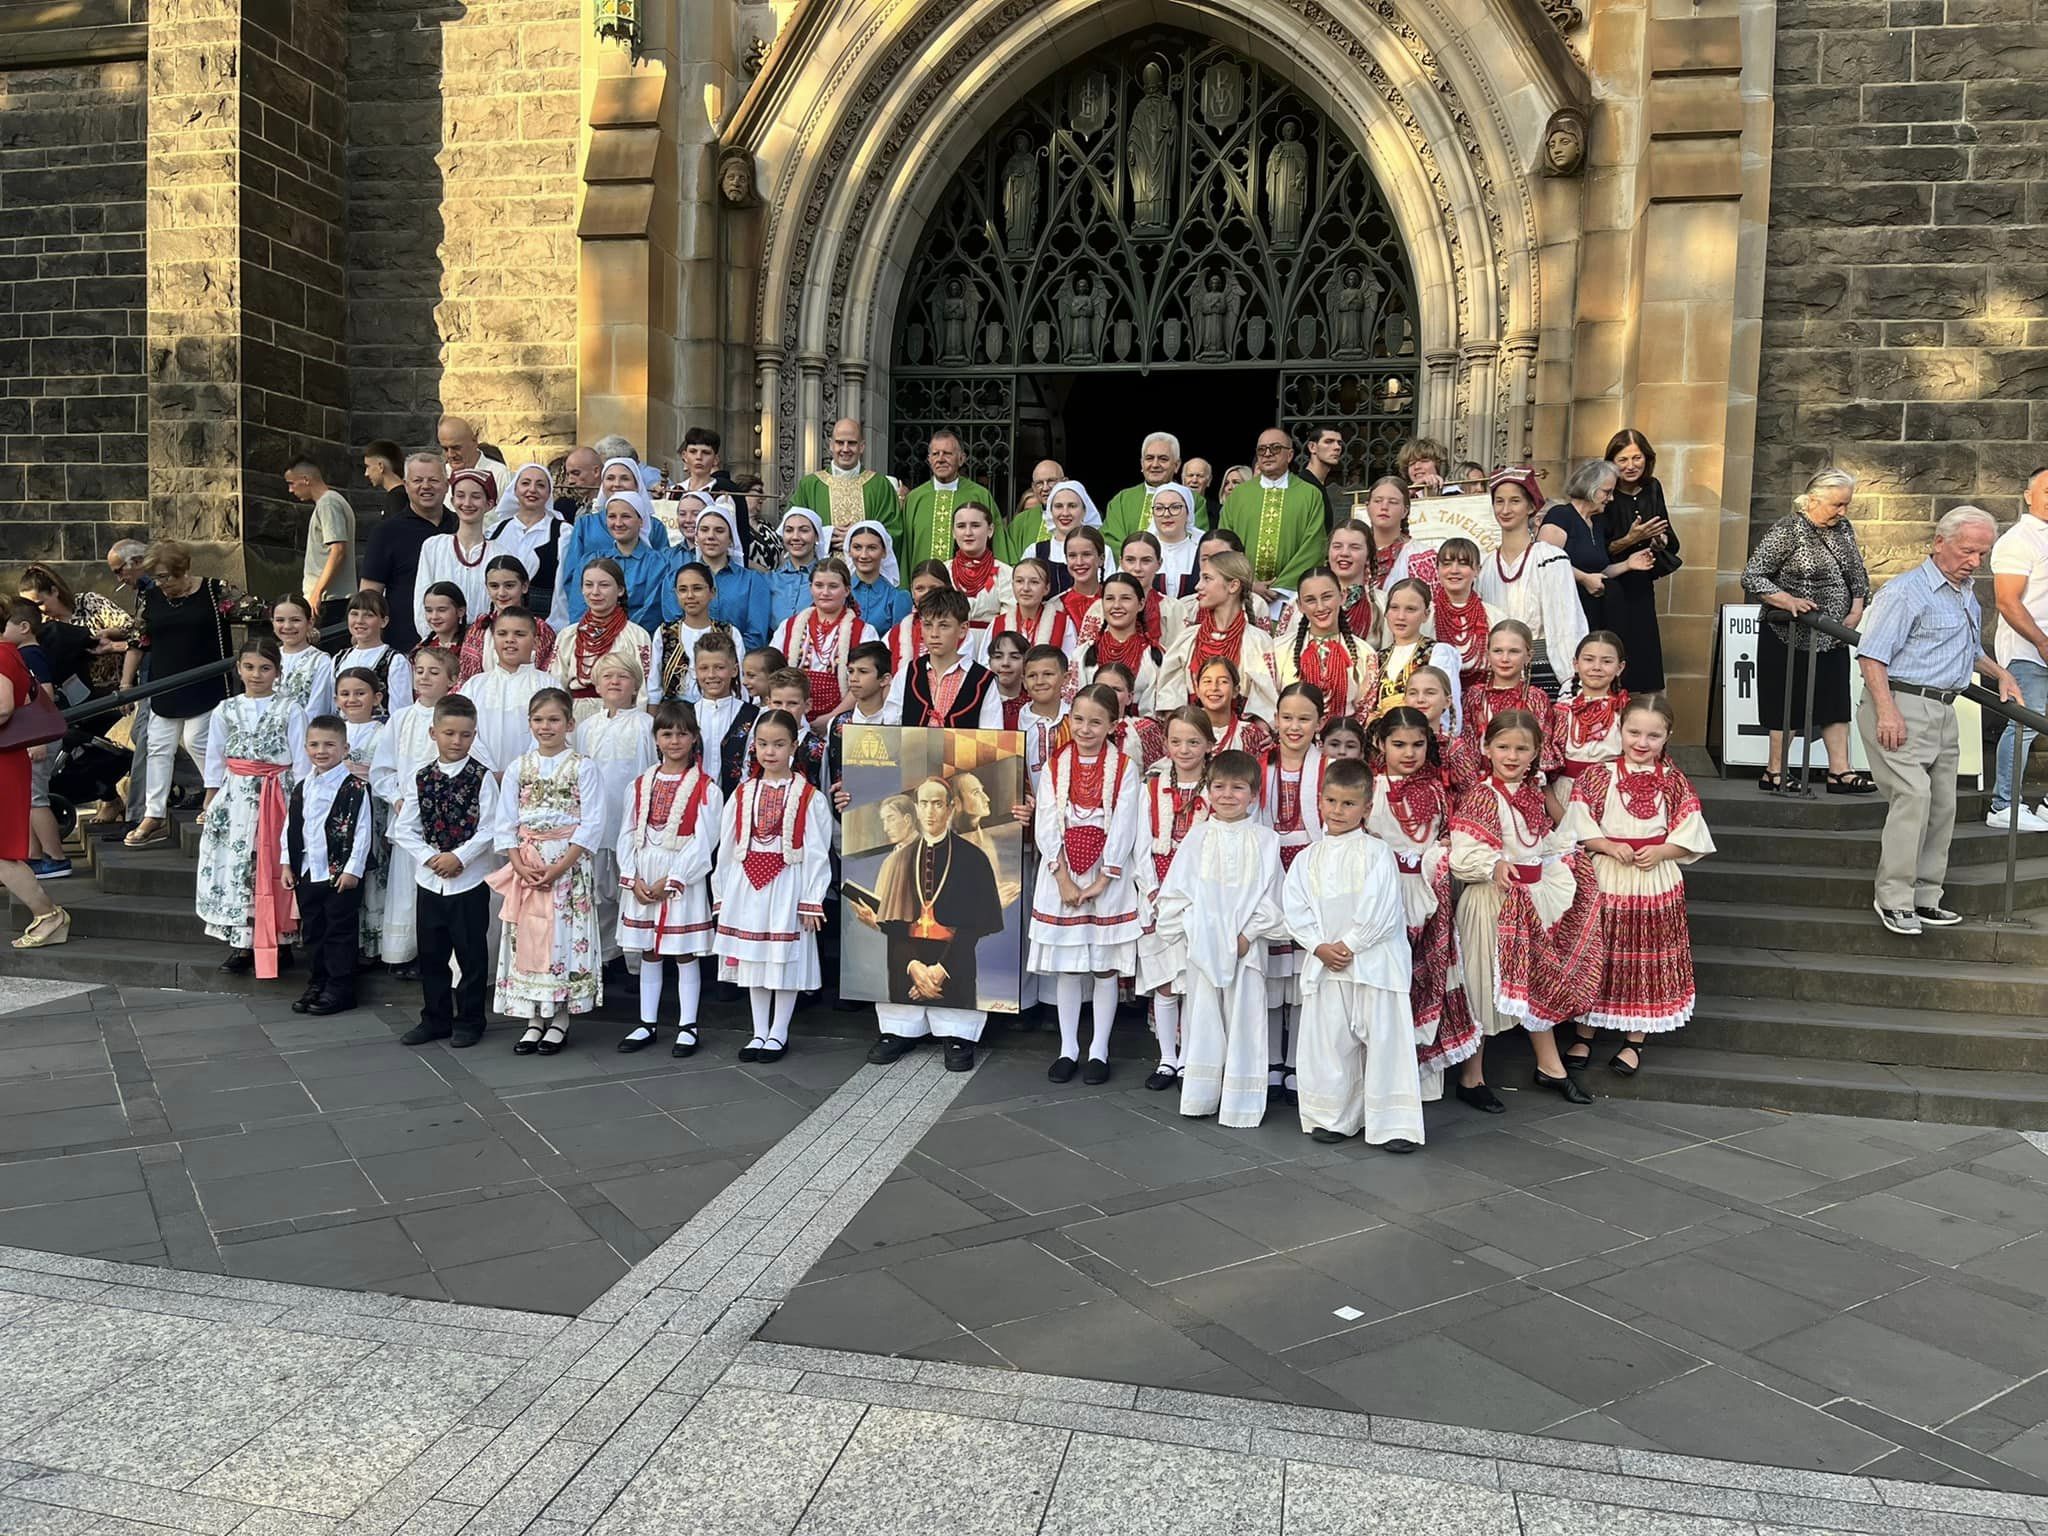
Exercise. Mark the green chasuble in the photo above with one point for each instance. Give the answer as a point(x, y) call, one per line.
point(843, 500)
point(1129, 512)
point(928, 520)
point(1282, 528)
point(1015, 538)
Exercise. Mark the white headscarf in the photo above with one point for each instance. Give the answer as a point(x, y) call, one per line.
point(1090, 517)
point(508, 502)
point(1188, 499)
point(820, 550)
point(638, 501)
point(890, 572)
point(721, 507)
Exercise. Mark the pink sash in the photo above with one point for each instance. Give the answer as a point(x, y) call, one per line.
point(274, 911)
point(530, 909)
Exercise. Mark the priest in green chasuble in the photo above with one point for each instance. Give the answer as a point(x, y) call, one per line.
point(1279, 516)
point(1130, 510)
point(844, 493)
point(928, 509)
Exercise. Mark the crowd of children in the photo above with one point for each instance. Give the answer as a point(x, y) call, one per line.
point(1334, 852)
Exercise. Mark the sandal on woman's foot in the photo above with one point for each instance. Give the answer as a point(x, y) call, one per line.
point(151, 832)
point(529, 1042)
point(1622, 1068)
point(1770, 783)
point(1566, 1088)
point(53, 927)
point(1851, 781)
point(551, 1039)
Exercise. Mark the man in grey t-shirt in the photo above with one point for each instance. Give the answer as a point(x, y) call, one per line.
point(329, 576)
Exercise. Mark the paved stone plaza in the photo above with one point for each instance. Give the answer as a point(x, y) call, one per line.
point(1845, 1309)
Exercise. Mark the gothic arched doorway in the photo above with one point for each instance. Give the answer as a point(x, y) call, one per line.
point(1164, 235)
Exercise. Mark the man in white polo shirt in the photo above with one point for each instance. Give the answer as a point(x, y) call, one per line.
point(2019, 574)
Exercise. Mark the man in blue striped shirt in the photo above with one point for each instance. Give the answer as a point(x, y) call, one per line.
point(1922, 641)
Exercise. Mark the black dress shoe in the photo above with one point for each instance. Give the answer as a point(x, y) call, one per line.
point(1163, 1079)
point(302, 1004)
point(239, 962)
point(527, 1043)
point(1328, 1138)
point(424, 1033)
point(638, 1040)
point(1398, 1144)
point(327, 1003)
point(771, 1052)
point(552, 1039)
point(1062, 1071)
point(463, 1039)
point(959, 1055)
point(686, 1044)
point(1095, 1073)
point(751, 1051)
point(1566, 1088)
point(890, 1048)
point(1481, 1098)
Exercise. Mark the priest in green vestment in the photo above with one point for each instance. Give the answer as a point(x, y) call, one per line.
point(928, 509)
point(844, 493)
point(1279, 516)
point(1130, 510)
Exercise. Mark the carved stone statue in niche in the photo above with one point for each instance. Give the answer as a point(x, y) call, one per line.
point(1082, 311)
point(1216, 308)
point(1287, 186)
point(1151, 155)
point(1351, 312)
point(956, 321)
point(1020, 195)
point(1564, 142)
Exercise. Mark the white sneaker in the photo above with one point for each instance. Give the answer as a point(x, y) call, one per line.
point(2029, 821)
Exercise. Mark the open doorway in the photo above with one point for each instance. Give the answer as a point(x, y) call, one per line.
point(1094, 423)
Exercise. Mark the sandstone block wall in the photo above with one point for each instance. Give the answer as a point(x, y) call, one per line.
point(1906, 298)
point(73, 409)
point(462, 167)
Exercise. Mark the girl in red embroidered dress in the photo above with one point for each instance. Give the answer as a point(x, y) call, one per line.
point(1084, 910)
point(1343, 738)
point(1081, 602)
point(1219, 695)
point(447, 614)
point(1525, 918)
point(505, 580)
point(1290, 802)
point(1173, 803)
point(1140, 557)
point(604, 628)
point(1459, 617)
point(1034, 615)
point(1509, 645)
point(1222, 627)
point(1411, 814)
point(1585, 725)
point(1122, 640)
point(819, 640)
point(1350, 557)
point(977, 573)
point(1429, 691)
point(1641, 818)
point(1394, 556)
point(1143, 737)
point(1323, 650)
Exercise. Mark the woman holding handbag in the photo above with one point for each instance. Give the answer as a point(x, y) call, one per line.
point(25, 722)
point(1637, 520)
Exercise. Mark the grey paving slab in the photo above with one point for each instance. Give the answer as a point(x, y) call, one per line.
point(1275, 1303)
point(356, 1254)
point(1180, 1491)
point(1052, 1181)
point(1740, 1173)
point(1916, 1229)
point(872, 1312)
point(262, 1151)
point(1717, 1303)
point(671, 1196)
point(1110, 1340)
point(1543, 1516)
point(748, 1123)
point(1435, 1377)
point(2020, 1208)
point(994, 1283)
point(557, 1279)
point(1540, 1232)
point(1084, 1121)
point(475, 1164)
point(968, 1141)
point(250, 1199)
point(2023, 1265)
point(1417, 1184)
point(84, 1225)
point(1965, 1322)
point(1574, 1351)
point(381, 1135)
point(973, 1478)
point(1399, 1267)
point(1836, 1273)
point(1348, 1501)
point(62, 1128)
point(904, 1210)
point(1282, 1213)
point(1164, 1158)
point(62, 1353)
point(1918, 1382)
point(1164, 1242)
point(1715, 1413)
point(492, 1229)
point(1627, 1200)
point(1831, 1147)
point(618, 1144)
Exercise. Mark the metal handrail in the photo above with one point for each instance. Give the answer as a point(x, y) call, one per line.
point(1983, 698)
point(107, 703)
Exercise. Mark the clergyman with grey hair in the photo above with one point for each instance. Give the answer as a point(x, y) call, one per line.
point(1922, 641)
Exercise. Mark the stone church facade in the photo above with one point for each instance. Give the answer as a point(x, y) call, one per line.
point(1769, 235)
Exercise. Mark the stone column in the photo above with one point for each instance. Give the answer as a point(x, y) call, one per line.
point(1437, 411)
point(813, 429)
point(1521, 359)
point(1481, 360)
point(768, 385)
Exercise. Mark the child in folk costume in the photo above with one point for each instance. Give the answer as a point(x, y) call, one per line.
point(1122, 641)
point(819, 640)
point(550, 817)
point(1432, 691)
point(1350, 561)
point(1086, 553)
point(1411, 813)
point(619, 740)
point(405, 747)
point(446, 823)
point(368, 613)
point(1506, 685)
point(308, 679)
point(1173, 802)
point(675, 643)
point(906, 641)
point(1068, 509)
point(790, 691)
point(328, 851)
point(1143, 737)
point(1221, 630)
point(1342, 903)
point(256, 744)
point(774, 866)
point(505, 583)
point(1409, 646)
point(1034, 614)
point(668, 834)
point(446, 612)
point(1641, 819)
point(1007, 699)
point(1218, 903)
point(1459, 618)
point(1289, 797)
point(1342, 740)
point(1220, 695)
point(603, 629)
point(503, 690)
point(1525, 919)
point(1585, 724)
point(724, 717)
point(1084, 910)
point(1324, 651)
point(360, 703)
point(977, 574)
point(943, 686)
point(1140, 557)
point(867, 703)
point(1043, 720)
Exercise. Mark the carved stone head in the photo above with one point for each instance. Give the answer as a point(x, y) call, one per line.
point(736, 179)
point(1564, 142)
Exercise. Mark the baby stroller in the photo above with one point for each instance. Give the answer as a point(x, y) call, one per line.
point(87, 769)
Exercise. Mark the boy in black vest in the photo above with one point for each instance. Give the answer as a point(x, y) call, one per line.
point(446, 820)
point(945, 687)
point(327, 851)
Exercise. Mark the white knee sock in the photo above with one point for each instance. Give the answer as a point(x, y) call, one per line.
point(757, 1000)
point(1105, 1016)
point(1067, 998)
point(689, 984)
point(651, 967)
point(785, 1008)
point(1166, 1029)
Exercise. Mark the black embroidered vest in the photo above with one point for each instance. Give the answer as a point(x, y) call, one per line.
point(449, 804)
point(967, 699)
point(351, 804)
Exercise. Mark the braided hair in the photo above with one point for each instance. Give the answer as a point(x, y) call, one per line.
point(1402, 717)
point(1301, 635)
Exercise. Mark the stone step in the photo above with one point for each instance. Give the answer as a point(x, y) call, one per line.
point(1753, 1080)
point(156, 872)
point(1738, 802)
point(1750, 925)
point(1972, 889)
point(1895, 981)
point(1843, 1032)
point(100, 914)
point(1973, 846)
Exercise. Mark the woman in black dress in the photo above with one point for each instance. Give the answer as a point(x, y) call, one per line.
point(1637, 521)
point(183, 624)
